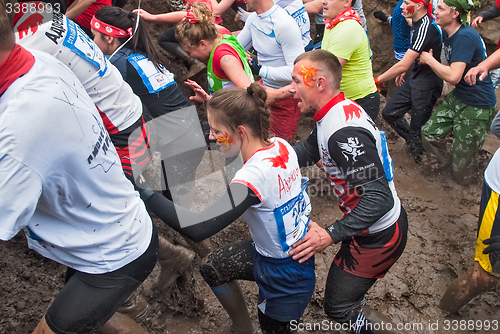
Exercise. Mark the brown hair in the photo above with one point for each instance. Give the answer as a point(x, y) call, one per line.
point(204, 29)
point(329, 62)
point(235, 106)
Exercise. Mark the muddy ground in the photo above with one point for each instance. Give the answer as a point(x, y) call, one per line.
point(443, 223)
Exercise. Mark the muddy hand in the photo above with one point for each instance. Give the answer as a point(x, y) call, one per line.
point(200, 94)
point(425, 57)
point(315, 240)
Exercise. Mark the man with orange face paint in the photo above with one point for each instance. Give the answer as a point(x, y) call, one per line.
point(354, 156)
point(421, 90)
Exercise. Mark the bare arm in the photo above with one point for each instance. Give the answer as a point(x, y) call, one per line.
point(452, 74)
point(481, 70)
point(172, 17)
point(233, 69)
point(78, 7)
point(218, 8)
point(313, 7)
point(401, 67)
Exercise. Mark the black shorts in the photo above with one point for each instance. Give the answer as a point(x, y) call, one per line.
point(87, 301)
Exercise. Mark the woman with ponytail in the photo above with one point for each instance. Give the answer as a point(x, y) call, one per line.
point(268, 192)
point(200, 38)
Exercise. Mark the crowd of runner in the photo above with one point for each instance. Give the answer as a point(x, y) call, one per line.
point(96, 103)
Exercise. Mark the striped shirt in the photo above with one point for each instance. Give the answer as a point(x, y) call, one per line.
point(425, 35)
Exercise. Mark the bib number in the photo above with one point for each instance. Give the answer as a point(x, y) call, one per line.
point(81, 44)
point(153, 79)
point(292, 218)
point(300, 17)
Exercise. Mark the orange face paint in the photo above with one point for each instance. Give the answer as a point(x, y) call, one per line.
point(225, 141)
point(308, 74)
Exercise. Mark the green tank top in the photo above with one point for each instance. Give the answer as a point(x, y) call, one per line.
point(215, 83)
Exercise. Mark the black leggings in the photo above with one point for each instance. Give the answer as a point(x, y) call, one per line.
point(235, 261)
point(87, 301)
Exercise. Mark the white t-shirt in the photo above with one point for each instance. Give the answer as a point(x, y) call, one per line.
point(54, 33)
point(277, 39)
point(281, 218)
point(60, 176)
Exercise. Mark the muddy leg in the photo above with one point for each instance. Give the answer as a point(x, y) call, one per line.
point(121, 324)
point(467, 286)
point(42, 328)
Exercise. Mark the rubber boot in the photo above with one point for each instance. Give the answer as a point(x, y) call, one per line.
point(380, 323)
point(121, 324)
point(465, 287)
point(135, 307)
point(174, 261)
point(194, 65)
point(232, 300)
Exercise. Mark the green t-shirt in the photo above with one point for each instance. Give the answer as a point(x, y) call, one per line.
point(215, 83)
point(348, 40)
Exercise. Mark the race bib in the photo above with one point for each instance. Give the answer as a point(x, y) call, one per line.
point(301, 18)
point(292, 218)
point(154, 79)
point(388, 164)
point(80, 43)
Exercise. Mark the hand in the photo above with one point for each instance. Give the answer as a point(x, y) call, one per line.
point(200, 94)
point(255, 68)
point(315, 240)
point(380, 15)
point(494, 245)
point(144, 15)
point(425, 57)
point(243, 14)
point(476, 21)
point(471, 76)
point(379, 85)
point(400, 79)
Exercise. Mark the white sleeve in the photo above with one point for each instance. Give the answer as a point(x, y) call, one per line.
point(20, 189)
point(290, 39)
point(245, 36)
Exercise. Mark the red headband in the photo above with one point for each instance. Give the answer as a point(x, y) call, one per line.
point(428, 5)
point(190, 16)
point(109, 30)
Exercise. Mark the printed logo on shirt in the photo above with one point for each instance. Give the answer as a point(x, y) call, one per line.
point(352, 148)
point(352, 111)
point(29, 26)
point(282, 158)
point(326, 159)
point(57, 28)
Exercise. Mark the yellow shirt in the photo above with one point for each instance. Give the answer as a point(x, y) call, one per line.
point(348, 40)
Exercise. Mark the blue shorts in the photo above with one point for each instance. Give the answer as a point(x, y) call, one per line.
point(285, 286)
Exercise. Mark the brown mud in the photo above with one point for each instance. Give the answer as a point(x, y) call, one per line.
point(442, 218)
